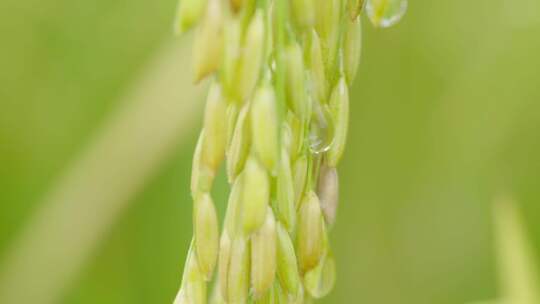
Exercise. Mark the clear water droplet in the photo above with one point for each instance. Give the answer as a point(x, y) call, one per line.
point(385, 13)
point(321, 129)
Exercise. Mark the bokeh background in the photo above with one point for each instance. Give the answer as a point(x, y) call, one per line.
point(98, 122)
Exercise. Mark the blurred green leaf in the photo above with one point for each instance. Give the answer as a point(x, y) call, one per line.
point(519, 279)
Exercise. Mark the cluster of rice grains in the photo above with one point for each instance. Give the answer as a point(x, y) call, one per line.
point(277, 112)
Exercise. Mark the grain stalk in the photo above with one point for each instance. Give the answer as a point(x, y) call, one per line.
point(277, 112)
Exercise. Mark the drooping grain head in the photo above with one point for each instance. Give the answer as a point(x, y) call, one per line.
point(277, 112)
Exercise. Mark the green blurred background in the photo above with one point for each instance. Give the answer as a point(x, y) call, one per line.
point(445, 116)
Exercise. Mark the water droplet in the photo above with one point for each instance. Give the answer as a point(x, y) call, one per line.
point(385, 13)
point(321, 129)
